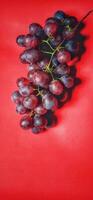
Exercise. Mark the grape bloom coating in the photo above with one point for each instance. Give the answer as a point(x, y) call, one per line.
point(48, 52)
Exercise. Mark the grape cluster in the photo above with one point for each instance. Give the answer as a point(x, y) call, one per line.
point(48, 51)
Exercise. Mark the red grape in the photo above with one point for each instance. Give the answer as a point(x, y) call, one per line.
point(21, 82)
point(56, 87)
point(63, 56)
point(41, 79)
point(26, 90)
point(16, 97)
point(21, 109)
point(30, 56)
point(40, 121)
point(40, 110)
point(30, 102)
point(62, 69)
point(49, 102)
point(20, 40)
point(51, 29)
point(26, 122)
point(35, 29)
point(67, 81)
point(31, 41)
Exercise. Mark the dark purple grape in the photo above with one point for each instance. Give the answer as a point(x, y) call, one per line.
point(31, 41)
point(51, 29)
point(56, 87)
point(21, 82)
point(36, 29)
point(70, 21)
point(36, 130)
point(20, 40)
point(41, 78)
point(30, 56)
point(43, 63)
point(55, 41)
point(26, 122)
point(62, 69)
point(49, 102)
point(30, 102)
point(72, 46)
point(60, 15)
point(50, 20)
point(40, 110)
point(67, 81)
point(20, 109)
point(68, 33)
point(40, 121)
point(63, 56)
point(16, 97)
point(33, 67)
point(65, 96)
point(26, 90)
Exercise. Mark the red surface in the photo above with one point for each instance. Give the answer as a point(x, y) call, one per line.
point(56, 165)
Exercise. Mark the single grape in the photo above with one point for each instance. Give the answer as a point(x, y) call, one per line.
point(30, 56)
point(70, 21)
point(26, 90)
point(41, 78)
point(62, 69)
point(51, 29)
point(63, 56)
point(33, 67)
point(31, 41)
point(40, 121)
point(36, 130)
point(36, 29)
point(30, 102)
point(49, 102)
point(22, 81)
point(26, 122)
point(72, 46)
point(67, 81)
point(60, 15)
point(40, 110)
point(65, 96)
point(68, 33)
point(20, 109)
point(20, 40)
point(16, 97)
point(51, 20)
point(56, 87)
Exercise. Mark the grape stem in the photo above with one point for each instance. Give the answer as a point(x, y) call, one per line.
point(46, 52)
point(82, 19)
point(46, 41)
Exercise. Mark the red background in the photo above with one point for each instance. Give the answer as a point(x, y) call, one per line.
point(56, 165)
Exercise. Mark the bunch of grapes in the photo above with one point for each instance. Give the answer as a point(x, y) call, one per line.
point(48, 51)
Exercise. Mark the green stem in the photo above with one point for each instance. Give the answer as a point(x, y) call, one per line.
point(46, 41)
point(46, 52)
